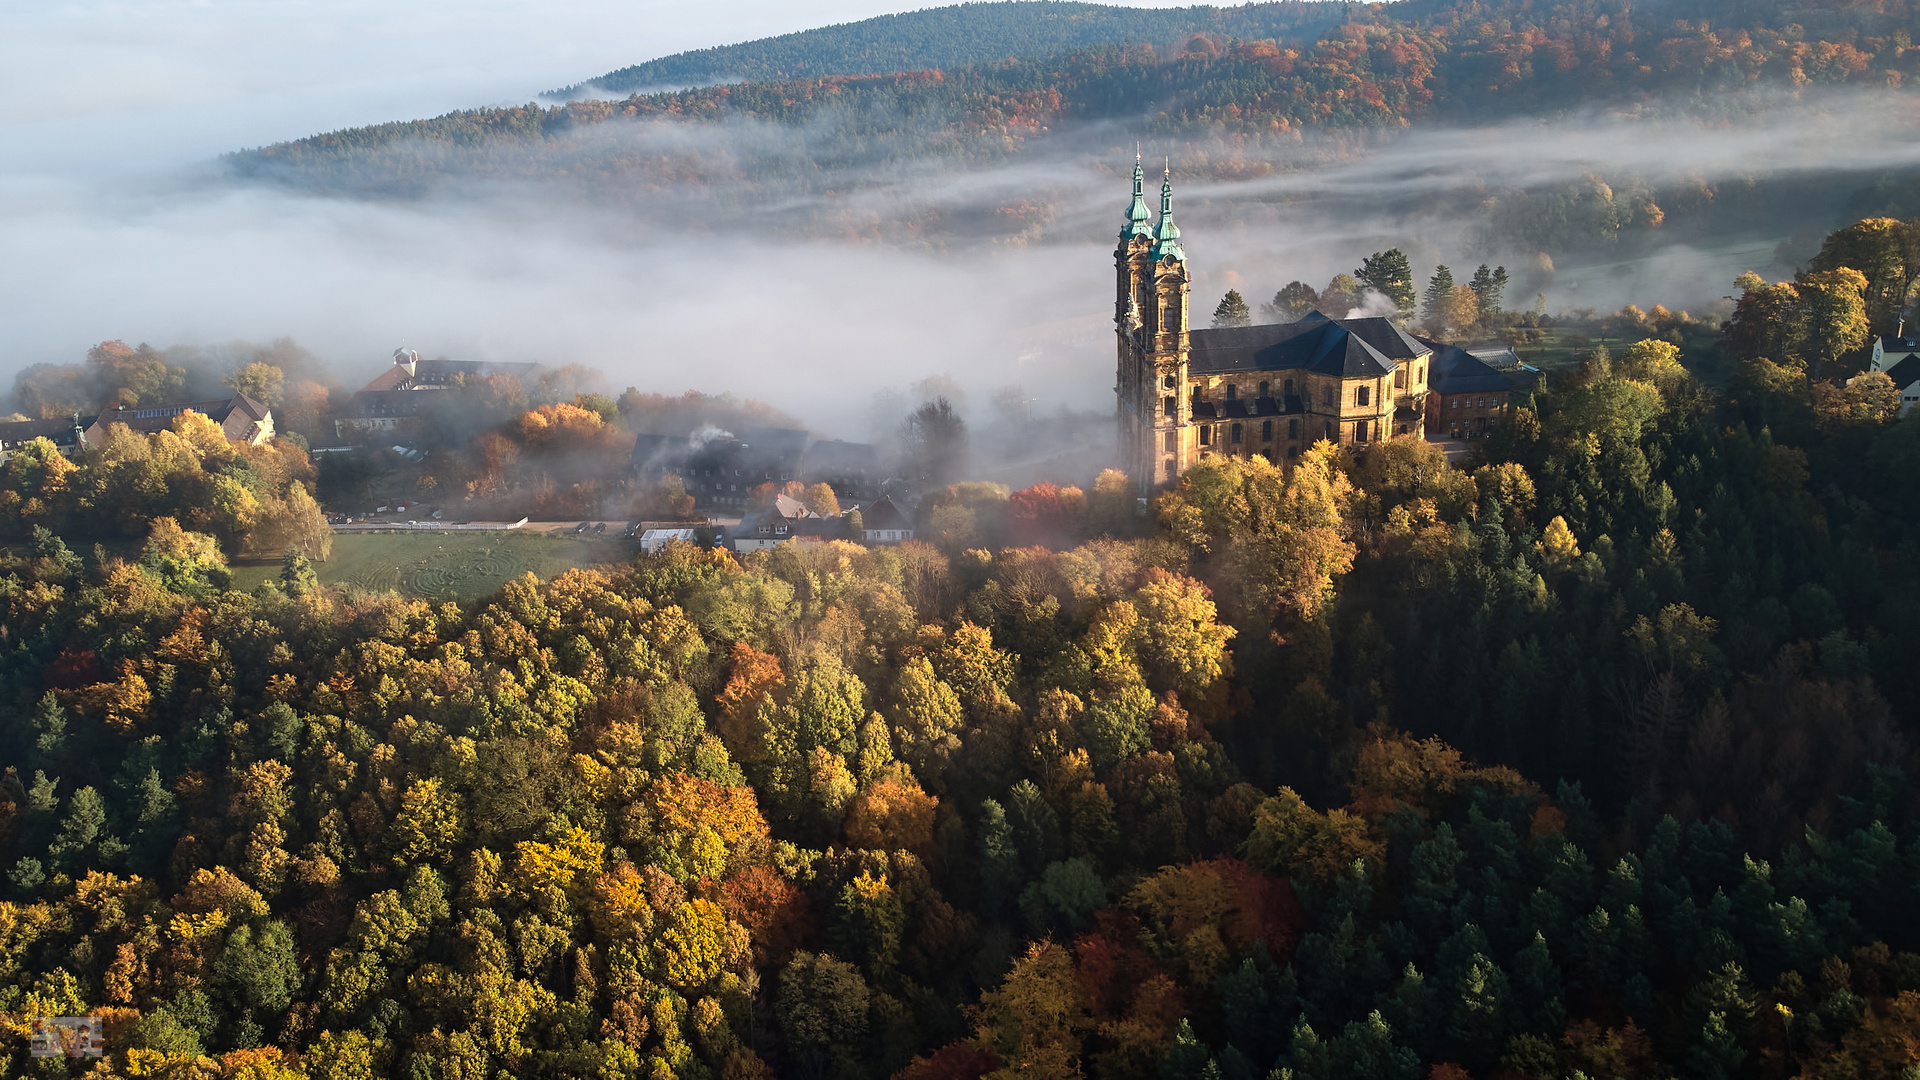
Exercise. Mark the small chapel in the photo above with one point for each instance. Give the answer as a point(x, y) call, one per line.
point(1186, 394)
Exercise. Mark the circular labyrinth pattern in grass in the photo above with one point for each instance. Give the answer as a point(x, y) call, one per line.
point(376, 577)
point(466, 572)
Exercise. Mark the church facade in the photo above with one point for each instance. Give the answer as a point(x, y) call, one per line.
point(1188, 394)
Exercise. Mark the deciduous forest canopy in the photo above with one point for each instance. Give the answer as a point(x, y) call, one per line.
point(1589, 755)
point(1593, 759)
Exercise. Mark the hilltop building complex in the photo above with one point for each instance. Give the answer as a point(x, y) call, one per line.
point(1186, 394)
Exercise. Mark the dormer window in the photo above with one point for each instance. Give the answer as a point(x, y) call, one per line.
point(1232, 392)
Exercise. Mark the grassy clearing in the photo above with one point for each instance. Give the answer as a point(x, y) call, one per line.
point(447, 566)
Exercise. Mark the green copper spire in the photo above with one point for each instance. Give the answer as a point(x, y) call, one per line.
point(1138, 216)
point(1166, 239)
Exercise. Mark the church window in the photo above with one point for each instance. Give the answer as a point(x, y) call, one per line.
point(1173, 405)
point(1236, 433)
point(1363, 395)
point(1266, 431)
point(1173, 442)
point(1293, 429)
point(1172, 321)
point(1206, 434)
point(1233, 392)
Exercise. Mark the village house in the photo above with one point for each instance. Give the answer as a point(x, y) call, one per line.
point(883, 522)
point(721, 470)
point(1898, 355)
point(398, 394)
point(66, 434)
point(1469, 397)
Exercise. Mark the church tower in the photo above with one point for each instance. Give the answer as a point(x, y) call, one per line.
point(1151, 325)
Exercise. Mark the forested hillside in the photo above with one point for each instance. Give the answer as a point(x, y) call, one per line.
point(1382, 67)
point(1593, 759)
point(961, 36)
point(866, 156)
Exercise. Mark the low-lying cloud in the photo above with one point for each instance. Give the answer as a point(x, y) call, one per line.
point(740, 284)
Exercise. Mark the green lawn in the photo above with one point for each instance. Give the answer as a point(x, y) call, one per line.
point(450, 565)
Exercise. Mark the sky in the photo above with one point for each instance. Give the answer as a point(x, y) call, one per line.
point(115, 106)
point(109, 228)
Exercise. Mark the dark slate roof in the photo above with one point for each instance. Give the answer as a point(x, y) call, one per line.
point(1315, 343)
point(438, 373)
point(757, 454)
point(1394, 343)
point(661, 452)
point(1891, 343)
point(1457, 371)
point(832, 459)
point(883, 513)
point(1905, 373)
point(13, 433)
point(236, 416)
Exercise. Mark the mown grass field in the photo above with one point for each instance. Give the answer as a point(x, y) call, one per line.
point(447, 566)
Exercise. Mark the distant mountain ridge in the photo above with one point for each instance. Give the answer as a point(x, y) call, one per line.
point(959, 36)
point(786, 153)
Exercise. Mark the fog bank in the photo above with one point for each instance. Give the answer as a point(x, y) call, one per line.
point(813, 295)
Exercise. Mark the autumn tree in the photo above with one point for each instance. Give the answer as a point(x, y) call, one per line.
point(1290, 303)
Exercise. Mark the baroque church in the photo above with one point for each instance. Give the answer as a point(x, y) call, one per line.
point(1187, 394)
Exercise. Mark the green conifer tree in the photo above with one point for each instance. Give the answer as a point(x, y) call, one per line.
point(1488, 285)
point(1388, 273)
point(1438, 286)
point(1232, 310)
